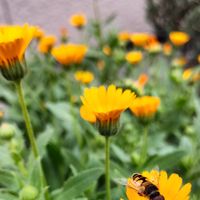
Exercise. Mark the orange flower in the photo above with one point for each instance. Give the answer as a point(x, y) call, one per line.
point(141, 82)
point(196, 77)
point(84, 76)
point(63, 34)
point(187, 74)
point(170, 187)
point(67, 54)
point(153, 47)
point(198, 58)
point(46, 43)
point(1, 114)
point(139, 39)
point(124, 36)
point(107, 50)
point(145, 106)
point(179, 62)
point(134, 57)
point(13, 42)
point(179, 38)
point(104, 104)
point(167, 49)
point(78, 20)
point(39, 33)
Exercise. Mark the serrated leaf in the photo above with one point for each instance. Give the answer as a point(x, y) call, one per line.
point(9, 179)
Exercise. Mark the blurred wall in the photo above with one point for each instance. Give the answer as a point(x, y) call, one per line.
point(54, 14)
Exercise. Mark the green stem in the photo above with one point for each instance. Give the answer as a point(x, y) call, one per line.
point(30, 132)
point(107, 168)
point(98, 21)
point(143, 155)
point(26, 118)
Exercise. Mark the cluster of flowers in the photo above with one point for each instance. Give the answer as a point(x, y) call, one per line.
point(102, 106)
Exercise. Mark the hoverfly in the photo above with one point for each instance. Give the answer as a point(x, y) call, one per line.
point(143, 186)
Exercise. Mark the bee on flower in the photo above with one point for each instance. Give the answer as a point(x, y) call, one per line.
point(155, 185)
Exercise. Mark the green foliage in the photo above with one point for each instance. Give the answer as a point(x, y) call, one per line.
point(72, 150)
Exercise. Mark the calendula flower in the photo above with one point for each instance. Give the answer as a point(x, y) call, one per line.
point(153, 47)
point(198, 58)
point(139, 39)
point(141, 81)
point(13, 42)
point(179, 62)
point(78, 20)
point(39, 33)
point(134, 57)
point(84, 76)
point(1, 114)
point(63, 34)
point(187, 73)
point(101, 64)
point(196, 77)
point(167, 49)
point(145, 107)
point(170, 187)
point(104, 106)
point(67, 54)
point(107, 50)
point(179, 38)
point(124, 36)
point(46, 43)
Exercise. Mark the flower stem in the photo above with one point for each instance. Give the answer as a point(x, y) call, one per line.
point(143, 155)
point(27, 120)
point(107, 167)
point(30, 132)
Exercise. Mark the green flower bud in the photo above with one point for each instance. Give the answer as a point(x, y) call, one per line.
point(7, 131)
point(29, 192)
point(15, 71)
point(108, 128)
point(14, 146)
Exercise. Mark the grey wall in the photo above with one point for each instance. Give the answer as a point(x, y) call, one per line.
point(53, 14)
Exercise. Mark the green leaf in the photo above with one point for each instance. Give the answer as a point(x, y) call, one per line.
point(166, 161)
point(9, 180)
point(6, 196)
point(119, 152)
point(44, 138)
point(76, 185)
point(35, 178)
